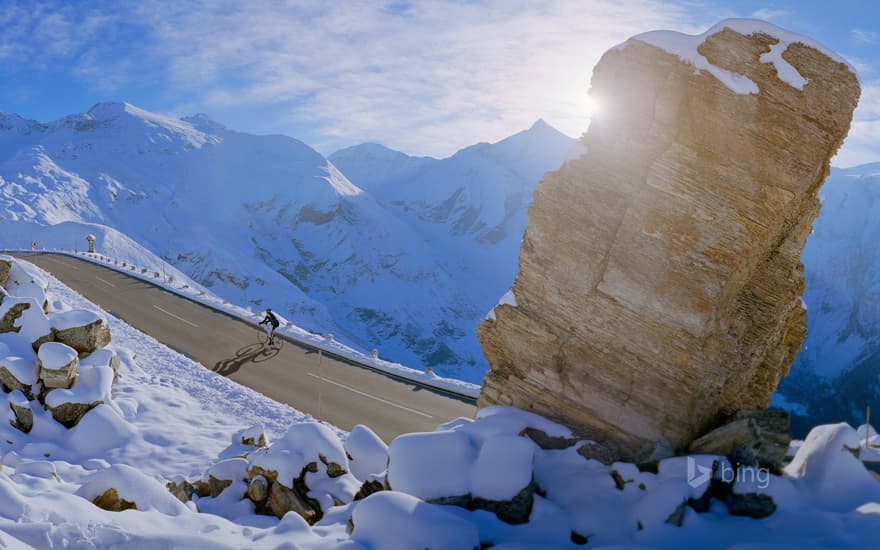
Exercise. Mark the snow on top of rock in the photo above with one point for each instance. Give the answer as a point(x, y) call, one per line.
point(416, 524)
point(503, 467)
point(431, 465)
point(26, 281)
point(55, 355)
point(827, 465)
point(32, 323)
point(133, 486)
point(24, 370)
point(74, 318)
point(18, 399)
point(515, 420)
point(90, 386)
point(369, 454)
point(685, 46)
point(509, 299)
point(297, 448)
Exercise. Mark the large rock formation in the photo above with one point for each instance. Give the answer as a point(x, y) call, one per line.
point(660, 276)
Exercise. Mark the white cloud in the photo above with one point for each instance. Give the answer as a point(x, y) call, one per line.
point(867, 37)
point(861, 145)
point(426, 77)
point(769, 14)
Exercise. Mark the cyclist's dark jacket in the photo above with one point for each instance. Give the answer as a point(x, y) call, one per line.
point(270, 318)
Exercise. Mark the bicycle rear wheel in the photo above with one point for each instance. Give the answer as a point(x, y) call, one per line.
point(262, 335)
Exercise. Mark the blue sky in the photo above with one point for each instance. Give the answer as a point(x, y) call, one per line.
point(423, 77)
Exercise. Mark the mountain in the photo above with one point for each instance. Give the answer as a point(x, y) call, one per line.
point(406, 262)
point(837, 373)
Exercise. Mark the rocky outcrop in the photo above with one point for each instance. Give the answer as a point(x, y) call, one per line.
point(659, 278)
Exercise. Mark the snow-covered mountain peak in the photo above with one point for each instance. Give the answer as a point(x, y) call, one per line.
point(129, 120)
point(206, 124)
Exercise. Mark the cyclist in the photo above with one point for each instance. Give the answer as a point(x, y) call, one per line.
point(271, 323)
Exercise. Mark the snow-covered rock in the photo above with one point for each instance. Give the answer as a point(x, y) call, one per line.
point(57, 364)
point(369, 454)
point(417, 524)
point(83, 330)
point(122, 487)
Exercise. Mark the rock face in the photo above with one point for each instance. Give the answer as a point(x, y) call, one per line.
point(660, 276)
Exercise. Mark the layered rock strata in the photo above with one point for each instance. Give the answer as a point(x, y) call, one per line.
point(659, 278)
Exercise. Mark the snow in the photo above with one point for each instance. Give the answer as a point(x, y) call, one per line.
point(784, 70)
point(686, 48)
point(369, 454)
point(91, 385)
point(24, 370)
point(298, 447)
point(417, 525)
point(74, 318)
point(431, 465)
point(836, 479)
point(101, 357)
point(133, 486)
point(55, 355)
point(503, 468)
point(507, 300)
point(32, 323)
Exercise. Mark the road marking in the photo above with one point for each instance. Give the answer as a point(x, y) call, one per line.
point(175, 316)
point(108, 283)
point(359, 392)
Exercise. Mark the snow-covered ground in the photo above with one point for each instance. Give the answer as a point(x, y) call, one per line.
point(170, 419)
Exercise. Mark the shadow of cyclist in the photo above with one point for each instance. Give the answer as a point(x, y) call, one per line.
point(251, 353)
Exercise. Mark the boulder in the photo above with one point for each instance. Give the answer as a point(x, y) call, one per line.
point(258, 489)
point(111, 501)
point(10, 312)
point(23, 315)
point(753, 437)
point(101, 358)
point(57, 365)
point(5, 266)
point(254, 437)
point(83, 330)
point(69, 414)
point(282, 498)
point(21, 408)
point(17, 373)
point(182, 490)
point(659, 280)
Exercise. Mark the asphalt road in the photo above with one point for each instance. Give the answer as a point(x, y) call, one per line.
point(330, 389)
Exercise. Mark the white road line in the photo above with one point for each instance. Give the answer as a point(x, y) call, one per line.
point(175, 316)
point(359, 392)
point(108, 283)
